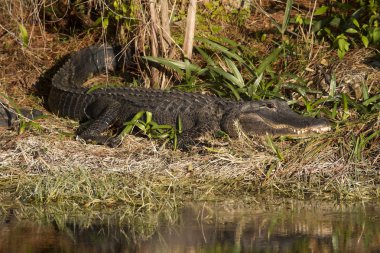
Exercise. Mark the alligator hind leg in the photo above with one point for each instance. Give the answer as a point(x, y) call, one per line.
point(190, 137)
point(104, 113)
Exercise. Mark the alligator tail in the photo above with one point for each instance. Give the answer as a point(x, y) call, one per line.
point(83, 64)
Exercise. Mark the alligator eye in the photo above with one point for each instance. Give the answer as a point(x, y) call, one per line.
point(271, 106)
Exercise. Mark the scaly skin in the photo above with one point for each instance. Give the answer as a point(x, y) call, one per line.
point(199, 113)
point(9, 116)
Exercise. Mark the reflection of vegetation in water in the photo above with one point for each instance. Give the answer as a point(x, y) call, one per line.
point(62, 227)
point(284, 227)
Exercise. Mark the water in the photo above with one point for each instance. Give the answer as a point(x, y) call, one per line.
point(286, 227)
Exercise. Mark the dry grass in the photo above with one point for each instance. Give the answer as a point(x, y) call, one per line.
point(47, 165)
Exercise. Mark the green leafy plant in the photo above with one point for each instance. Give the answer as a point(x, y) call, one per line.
point(227, 71)
point(24, 36)
point(347, 23)
point(144, 123)
point(118, 16)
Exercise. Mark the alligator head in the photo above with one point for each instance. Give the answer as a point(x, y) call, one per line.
point(274, 117)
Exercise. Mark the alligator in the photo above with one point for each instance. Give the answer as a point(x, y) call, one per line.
point(101, 108)
point(9, 117)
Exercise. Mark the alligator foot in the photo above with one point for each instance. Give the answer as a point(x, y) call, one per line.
point(9, 116)
point(112, 142)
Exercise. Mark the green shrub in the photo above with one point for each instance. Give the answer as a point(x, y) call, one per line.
point(348, 23)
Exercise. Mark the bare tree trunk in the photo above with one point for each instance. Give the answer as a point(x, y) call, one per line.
point(154, 41)
point(190, 29)
point(155, 31)
point(167, 39)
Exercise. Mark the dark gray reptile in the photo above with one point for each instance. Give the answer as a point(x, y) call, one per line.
point(9, 117)
point(199, 113)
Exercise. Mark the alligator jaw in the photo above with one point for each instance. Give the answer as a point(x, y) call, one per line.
point(318, 130)
point(272, 117)
point(317, 126)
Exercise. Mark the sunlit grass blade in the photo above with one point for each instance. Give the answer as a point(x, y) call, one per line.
point(236, 73)
point(218, 47)
point(234, 80)
point(365, 92)
point(229, 42)
point(178, 66)
point(252, 88)
point(180, 126)
point(332, 85)
point(205, 56)
point(131, 124)
point(286, 17)
point(23, 35)
point(274, 148)
point(371, 100)
point(346, 111)
point(234, 91)
point(268, 60)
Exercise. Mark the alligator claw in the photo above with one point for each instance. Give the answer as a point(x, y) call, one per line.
point(114, 142)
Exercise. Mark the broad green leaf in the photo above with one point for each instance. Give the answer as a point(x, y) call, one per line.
point(351, 30)
point(218, 47)
point(355, 22)
point(234, 80)
point(148, 117)
point(179, 124)
point(376, 35)
point(178, 66)
point(105, 22)
point(365, 91)
point(228, 41)
point(317, 25)
point(205, 56)
point(286, 17)
point(335, 22)
point(268, 60)
point(332, 85)
point(343, 44)
point(371, 100)
point(274, 148)
point(140, 125)
point(299, 19)
point(24, 35)
point(341, 53)
point(234, 91)
point(232, 66)
point(253, 87)
point(365, 41)
point(188, 73)
point(158, 127)
point(321, 10)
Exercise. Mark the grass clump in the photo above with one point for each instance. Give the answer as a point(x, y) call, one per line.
point(50, 168)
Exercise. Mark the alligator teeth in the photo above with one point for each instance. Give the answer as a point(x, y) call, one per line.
point(322, 129)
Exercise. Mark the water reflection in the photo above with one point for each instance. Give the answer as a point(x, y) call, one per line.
point(290, 227)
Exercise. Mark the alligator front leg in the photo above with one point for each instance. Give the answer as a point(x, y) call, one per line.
point(104, 113)
point(190, 137)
